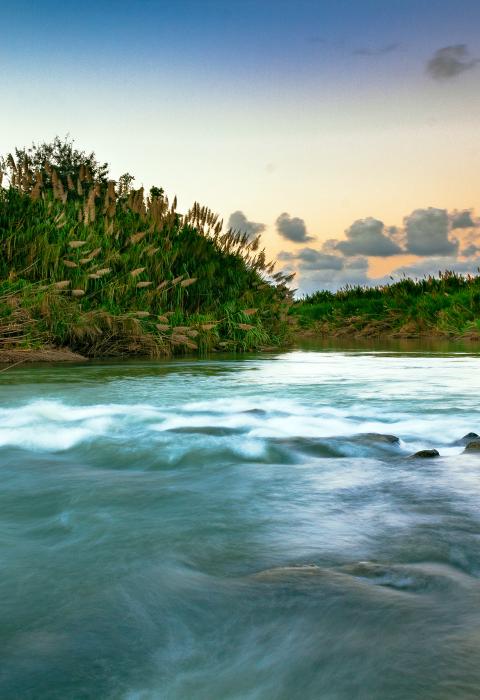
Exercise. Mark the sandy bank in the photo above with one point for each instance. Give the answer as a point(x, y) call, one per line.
point(48, 354)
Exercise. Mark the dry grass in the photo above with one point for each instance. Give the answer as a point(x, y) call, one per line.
point(20, 355)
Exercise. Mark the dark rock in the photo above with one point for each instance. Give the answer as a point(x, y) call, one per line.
point(426, 454)
point(473, 446)
point(311, 446)
point(466, 439)
point(380, 437)
point(206, 430)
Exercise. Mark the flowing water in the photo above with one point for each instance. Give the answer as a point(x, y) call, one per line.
point(240, 529)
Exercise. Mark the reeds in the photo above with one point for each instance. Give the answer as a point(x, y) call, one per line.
point(112, 251)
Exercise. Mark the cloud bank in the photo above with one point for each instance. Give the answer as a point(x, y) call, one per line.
point(311, 259)
point(433, 266)
point(426, 233)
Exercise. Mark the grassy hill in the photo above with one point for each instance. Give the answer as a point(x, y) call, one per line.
point(444, 306)
point(108, 270)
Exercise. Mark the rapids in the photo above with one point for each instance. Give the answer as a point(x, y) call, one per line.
point(239, 528)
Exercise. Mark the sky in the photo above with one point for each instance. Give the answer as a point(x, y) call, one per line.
point(346, 133)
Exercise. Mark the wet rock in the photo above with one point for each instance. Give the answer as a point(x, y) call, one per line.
point(473, 446)
point(206, 430)
point(466, 439)
point(425, 454)
point(311, 446)
point(375, 437)
point(381, 437)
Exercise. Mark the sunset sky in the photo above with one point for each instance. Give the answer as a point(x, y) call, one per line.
point(347, 133)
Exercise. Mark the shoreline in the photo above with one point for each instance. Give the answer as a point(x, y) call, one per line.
point(50, 354)
point(354, 334)
point(17, 356)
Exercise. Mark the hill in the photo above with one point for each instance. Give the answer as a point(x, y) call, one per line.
point(104, 269)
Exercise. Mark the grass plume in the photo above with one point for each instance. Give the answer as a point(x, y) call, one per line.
point(106, 270)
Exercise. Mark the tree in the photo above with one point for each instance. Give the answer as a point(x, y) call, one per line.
point(62, 155)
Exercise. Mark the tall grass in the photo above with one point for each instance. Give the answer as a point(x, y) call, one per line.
point(107, 270)
point(447, 304)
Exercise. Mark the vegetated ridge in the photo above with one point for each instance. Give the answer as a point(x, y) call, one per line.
point(98, 267)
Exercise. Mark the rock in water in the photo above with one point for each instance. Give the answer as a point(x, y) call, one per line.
point(425, 454)
point(466, 439)
point(381, 437)
point(473, 446)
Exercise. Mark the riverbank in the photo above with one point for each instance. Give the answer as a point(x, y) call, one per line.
point(319, 335)
point(14, 356)
point(377, 331)
point(444, 307)
point(306, 340)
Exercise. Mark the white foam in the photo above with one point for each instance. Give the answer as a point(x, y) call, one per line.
point(34, 439)
point(55, 425)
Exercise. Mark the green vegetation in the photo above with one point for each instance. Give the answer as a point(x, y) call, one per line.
point(447, 305)
point(99, 267)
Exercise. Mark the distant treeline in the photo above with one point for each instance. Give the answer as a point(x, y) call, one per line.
point(108, 270)
point(447, 305)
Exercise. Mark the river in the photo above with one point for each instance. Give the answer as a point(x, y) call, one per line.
point(235, 528)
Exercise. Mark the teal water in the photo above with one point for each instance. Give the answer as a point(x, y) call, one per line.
point(234, 529)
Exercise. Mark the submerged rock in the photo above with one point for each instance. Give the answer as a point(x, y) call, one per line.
point(425, 454)
point(317, 447)
point(279, 572)
point(473, 446)
point(379, 437)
